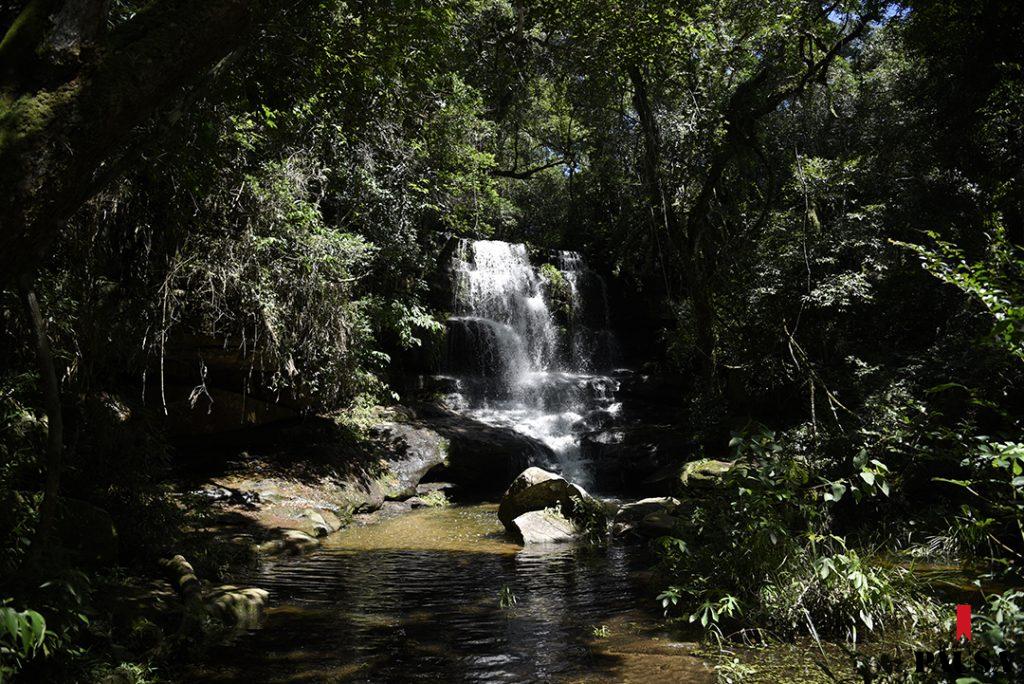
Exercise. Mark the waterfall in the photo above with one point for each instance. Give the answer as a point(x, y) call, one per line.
point(514, 362)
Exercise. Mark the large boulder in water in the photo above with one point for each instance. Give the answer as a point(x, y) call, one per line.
point(638, 510)
point(543, 527)
point(630, 516)
point(536, 489)
point(482, 459)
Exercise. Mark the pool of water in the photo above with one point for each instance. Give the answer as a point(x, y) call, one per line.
point(417, 598)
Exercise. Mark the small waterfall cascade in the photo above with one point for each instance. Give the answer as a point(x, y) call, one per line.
point(517, 360)
point(591, 342)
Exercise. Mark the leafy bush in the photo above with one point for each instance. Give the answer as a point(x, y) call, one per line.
point(990, 523)
point(22, 634)
point(557, 291)
point(995, 281)
point(1000, 629)
point(831, 590)
point(280, 288)
point(759, 551)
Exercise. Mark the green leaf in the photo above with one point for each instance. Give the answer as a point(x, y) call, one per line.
point(10, 621)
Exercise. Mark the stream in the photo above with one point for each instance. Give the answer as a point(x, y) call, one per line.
point(417, 598)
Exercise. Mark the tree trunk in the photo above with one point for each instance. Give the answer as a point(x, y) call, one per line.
point(652, 157)
point(689, 257)
point(54, 418)
point(703, 321)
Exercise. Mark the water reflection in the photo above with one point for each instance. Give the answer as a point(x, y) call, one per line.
point(393, 613)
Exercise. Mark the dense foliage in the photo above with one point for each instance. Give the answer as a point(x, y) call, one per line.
point(818, 206)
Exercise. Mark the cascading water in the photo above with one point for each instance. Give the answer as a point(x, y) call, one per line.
point(513, 364)
point(591, 342)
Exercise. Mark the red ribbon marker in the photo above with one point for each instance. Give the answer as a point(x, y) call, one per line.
point(963, 622)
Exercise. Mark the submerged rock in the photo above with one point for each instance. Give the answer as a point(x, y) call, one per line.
point(536, 489)
point(427, 488)
point(397, 507)
point(323, 522)
point(290, 542)
point(543, 527)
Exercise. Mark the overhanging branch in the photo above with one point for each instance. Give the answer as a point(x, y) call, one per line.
point(523, 175)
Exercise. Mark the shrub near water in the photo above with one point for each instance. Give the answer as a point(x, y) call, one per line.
point(759, 552)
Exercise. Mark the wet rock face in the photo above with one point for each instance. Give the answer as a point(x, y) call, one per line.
point(536, 489)
point(482, 459)
point(641, 458)
point(543, 527)
point(412, 451)
point(482, 348)
point(652, 388)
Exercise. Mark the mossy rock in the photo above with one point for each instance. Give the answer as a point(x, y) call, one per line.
point(704, 471)
point(241, 608)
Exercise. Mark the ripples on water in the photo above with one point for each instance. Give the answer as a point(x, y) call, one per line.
point(416, 599)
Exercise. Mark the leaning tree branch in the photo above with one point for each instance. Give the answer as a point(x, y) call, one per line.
point(523, 175)
point(741, 114)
